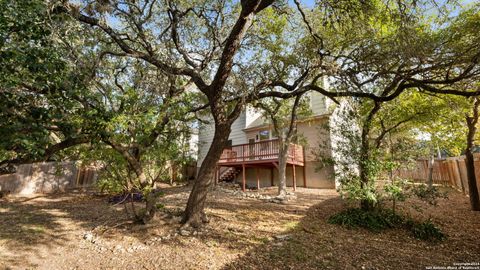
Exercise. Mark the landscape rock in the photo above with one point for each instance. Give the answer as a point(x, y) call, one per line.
point(184, 233)
point(119, 248)
point(90, 237)
point(176, 219)
point(282, 237)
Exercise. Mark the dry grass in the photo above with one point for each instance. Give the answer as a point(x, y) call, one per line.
point(46, 232)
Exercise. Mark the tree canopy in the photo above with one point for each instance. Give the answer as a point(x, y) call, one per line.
point(130, 77)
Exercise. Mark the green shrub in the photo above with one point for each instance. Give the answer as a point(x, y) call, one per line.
point(109, 186)
point(425, 230)
point(429, 194)
point(381, 219)
point(396, 190)
point(374, 220)
point(353, 191)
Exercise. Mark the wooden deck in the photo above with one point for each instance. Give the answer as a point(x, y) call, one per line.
point(264, 152)
point(260, 154)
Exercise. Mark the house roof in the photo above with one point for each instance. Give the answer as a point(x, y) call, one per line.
point(259, 122)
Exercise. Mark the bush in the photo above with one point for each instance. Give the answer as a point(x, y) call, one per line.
point(109, 186)
point(426, 231)
point(353, 191)
point(396, 190)
point(429, 194)
point(374, 220)
point(381, 219)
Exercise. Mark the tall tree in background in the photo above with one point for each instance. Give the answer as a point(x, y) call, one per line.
point(370, 57)
point(373, 52)
point(39, 85)
point(449, 126)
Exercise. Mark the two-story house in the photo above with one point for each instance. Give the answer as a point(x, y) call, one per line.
point(251, 157)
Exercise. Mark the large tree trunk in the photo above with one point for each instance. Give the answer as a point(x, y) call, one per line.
point(363, 164)
point(282, 168)
point(469, 161)
point(151, 199)
point(194, 214)
point(364, 177)
point(472, 182)
point(365, 156)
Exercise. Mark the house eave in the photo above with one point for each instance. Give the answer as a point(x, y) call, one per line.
point(311, 118)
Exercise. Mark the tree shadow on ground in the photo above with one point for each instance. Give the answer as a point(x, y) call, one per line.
point(315, 244)
point(33, 225)
point(238, 224)
point(248, 233)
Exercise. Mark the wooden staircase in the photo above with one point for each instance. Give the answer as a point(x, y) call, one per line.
point(229, 174)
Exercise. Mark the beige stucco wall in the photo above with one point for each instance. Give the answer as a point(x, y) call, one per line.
point(314, 178)
point(264, 176)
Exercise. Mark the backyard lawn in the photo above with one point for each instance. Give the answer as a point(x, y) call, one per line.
point(81, 231)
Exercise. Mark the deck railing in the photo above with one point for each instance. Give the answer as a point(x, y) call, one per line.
point(260, 151)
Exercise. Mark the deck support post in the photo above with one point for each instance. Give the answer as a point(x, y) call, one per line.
point(304, 170)
point(304, 176)
point(243, 177)
point(271, 176)
point(258, 179)
point(217, 174)
point(294, 178)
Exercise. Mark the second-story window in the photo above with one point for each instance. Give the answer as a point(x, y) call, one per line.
point(264, 135)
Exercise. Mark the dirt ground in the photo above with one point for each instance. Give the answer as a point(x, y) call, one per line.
point(82, 231)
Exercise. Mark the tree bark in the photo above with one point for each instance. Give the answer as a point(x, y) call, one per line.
point(151, 201)
point(132, 156)
point(282, 168)
point(194, 214)
point(469, 159)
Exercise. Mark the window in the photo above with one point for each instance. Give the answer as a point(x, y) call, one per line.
point(264, 135)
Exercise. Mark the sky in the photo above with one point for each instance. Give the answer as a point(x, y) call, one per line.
point(307, 3)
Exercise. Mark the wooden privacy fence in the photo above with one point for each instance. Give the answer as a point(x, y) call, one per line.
point(449, 172)
point(46, 177)
point(183, 173)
